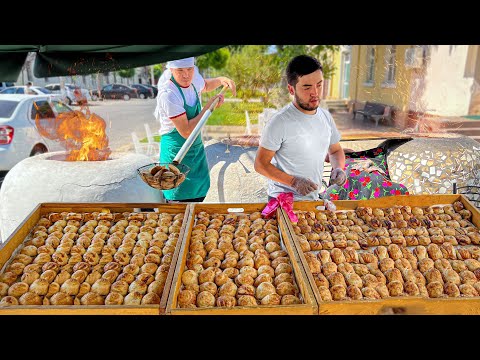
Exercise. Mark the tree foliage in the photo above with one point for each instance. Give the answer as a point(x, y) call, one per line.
point(126, 73)
point(324, 53)
point(216, 59)
point(254, 70)
point(157, 71)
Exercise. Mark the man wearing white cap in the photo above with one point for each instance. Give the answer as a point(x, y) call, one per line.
point(179, 110)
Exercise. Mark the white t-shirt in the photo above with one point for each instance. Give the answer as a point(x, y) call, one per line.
point(170, 101)
point(301, 143)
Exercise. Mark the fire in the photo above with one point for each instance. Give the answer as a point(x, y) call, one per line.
point(81, 133)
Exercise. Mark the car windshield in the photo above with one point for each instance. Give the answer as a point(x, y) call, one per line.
point(7, 108)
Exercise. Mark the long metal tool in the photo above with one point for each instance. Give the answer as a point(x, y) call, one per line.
point(196, 131)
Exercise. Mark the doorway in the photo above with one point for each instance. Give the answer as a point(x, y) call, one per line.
point(345, 84)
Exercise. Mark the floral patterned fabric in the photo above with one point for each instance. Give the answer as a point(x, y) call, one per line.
point(367, 178)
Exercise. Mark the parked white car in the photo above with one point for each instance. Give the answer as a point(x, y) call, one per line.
point(36, 90)
point(73, 93)
point(19, 136)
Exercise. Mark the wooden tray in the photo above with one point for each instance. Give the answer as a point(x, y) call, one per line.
point(394, 305)
point(23, 230)
point(309, 306)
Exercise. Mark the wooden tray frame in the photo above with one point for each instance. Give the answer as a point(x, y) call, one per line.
point(308, 308)
point(394, 305)
point(24, 228)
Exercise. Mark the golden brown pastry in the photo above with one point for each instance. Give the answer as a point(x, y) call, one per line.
point(370, 293)
point(395, 287)
point(145, 278)
point(264, 289)
point(402, 264)
point(226, 301)
point(247, 300)
point(101, 286)
point(458, 265)
point(18, 289)
point(39, 287)
point(425, 264)
point(381, 279)
point(271, 299)
point(61, 298)
point(114, 298)
point(451, 289)
point(353, 279)
point(30, 298)
point(229, 289)
point(233, 272)
point(354, 293)
point(442, 264)
point(150, 299)
point(29, 277)
point(345, 268)
point(409, 275)
point(435, 289)
point(472, 264)
point(360, 269)
point(467, 277)
point(369, 280)
point(394, 251)
point(468, 290)
point(92, 298)
point(382, 290)
point(411, 288)
point(386, 264)
point(8, 277)
point(208, 286)
point(8, 301)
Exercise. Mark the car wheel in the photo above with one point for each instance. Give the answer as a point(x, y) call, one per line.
point(38, 149)
point(126, 97)
point(142, 96)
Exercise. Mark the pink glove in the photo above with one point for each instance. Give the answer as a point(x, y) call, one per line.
point(303, 186)
point(338, 177)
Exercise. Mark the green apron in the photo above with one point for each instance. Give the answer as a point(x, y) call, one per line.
point(197, 183)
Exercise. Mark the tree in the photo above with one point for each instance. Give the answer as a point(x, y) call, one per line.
point(157, 71)
point(324, 53)
point(254, 70)
point(216, 59)
point(126, 73)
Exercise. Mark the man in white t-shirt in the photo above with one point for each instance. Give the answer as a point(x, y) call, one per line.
point(297, 138)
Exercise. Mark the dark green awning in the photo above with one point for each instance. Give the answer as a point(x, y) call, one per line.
point(63, 60)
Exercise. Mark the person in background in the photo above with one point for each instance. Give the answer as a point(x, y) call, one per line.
point(28, 89)
point(297, 139)
point(179, 110)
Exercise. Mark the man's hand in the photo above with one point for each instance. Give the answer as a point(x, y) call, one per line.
point(338, 177)
point(303, 186)
point(230, 83)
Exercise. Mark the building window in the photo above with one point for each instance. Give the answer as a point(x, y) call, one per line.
point(370, 65)
point(390, 63)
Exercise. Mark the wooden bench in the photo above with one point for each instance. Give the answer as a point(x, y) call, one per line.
point(374, 111)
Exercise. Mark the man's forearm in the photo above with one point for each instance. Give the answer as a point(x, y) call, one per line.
point(271, 172)
point(337, 159)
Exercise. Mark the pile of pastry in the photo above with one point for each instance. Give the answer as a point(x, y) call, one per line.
point(163, 177)
point(430, 251)
point(96, 258)
point(236, 260)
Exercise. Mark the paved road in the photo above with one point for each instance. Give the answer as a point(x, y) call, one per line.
point(123, 117)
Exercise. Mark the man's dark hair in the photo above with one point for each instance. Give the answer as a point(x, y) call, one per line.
point(301, 65)
point(30, 83)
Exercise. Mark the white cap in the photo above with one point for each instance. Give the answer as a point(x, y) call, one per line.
point(181, 63)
